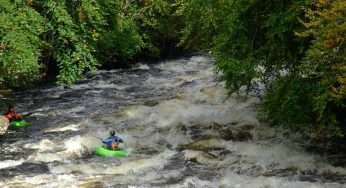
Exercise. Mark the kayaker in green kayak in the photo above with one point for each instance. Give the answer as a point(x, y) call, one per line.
point(112, 142)
point(12, 115)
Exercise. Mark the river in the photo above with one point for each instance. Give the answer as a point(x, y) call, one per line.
point(178, 125)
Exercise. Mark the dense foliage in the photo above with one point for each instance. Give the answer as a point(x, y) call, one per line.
point(325, 62)
point(159, 27)
point(245, 35)
point(295, 47)
point(64, 38)
point(20, 46)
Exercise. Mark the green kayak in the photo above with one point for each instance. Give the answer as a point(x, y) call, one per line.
point(112, 153)
point(20, 123)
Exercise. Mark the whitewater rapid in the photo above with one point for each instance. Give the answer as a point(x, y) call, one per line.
point(180, 127)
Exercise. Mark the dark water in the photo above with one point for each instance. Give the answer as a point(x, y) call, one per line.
point(178, 125)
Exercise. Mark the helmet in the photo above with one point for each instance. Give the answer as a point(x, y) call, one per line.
point(112, 133)
point(10, 107)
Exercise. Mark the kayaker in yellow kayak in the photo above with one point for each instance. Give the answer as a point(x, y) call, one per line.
point(112, 142)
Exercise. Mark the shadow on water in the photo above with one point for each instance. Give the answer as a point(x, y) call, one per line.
point(26, 169)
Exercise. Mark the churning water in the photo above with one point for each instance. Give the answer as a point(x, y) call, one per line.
point(178, 124)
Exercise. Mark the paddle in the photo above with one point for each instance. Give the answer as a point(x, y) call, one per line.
point(97, 137)
point(103, 139)
point(28, 114)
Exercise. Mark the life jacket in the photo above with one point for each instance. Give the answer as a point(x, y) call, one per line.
point(13, 116)
point(112, 142)
point(115, 145)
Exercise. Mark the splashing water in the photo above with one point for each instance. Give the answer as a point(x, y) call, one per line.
point(178, 125)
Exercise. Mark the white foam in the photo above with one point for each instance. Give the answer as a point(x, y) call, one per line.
point(142, 67)
point(155, 162)
point(72, 127)
point(10, 163)
point(79, 145)
point(42, 145)
point(240, 181)
point(74, 147)
point(200, 156)
point(177, 137)
point(200, 59)
point(43, 180)
point(283, 155)
point(196, 182)
point(139, 166)
point(46, 157)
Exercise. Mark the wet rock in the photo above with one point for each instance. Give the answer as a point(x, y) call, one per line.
point(149, 151)
point(227, 135)
point(232, 124)
point(209, 91)
point(97, 117)
point(241, 98)
point(187, 83)
point(4, 124)
point(194, 146)
point(242, 136)
point(151, 103)
point(203, 146)
point(225, 152)
point(208, 137)
point(91, 185)
point(193, 160)
point(76, 172)
point(181, 127)
point(179, 97)
point(247, 127)
point(107, 122)
point(97, 77)
point(307, 179)
point(83, 81)
point(217, 126)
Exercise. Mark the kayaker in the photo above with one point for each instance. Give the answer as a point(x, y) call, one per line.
point(112, 142)
point(12, 115)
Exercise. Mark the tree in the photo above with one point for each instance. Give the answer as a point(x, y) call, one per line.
point(325, 62)
point(20, 46)
point(63, 39)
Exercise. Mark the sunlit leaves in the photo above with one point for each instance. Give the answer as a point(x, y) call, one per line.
point(20, 44)
point(65, 37)
point(325, 60)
